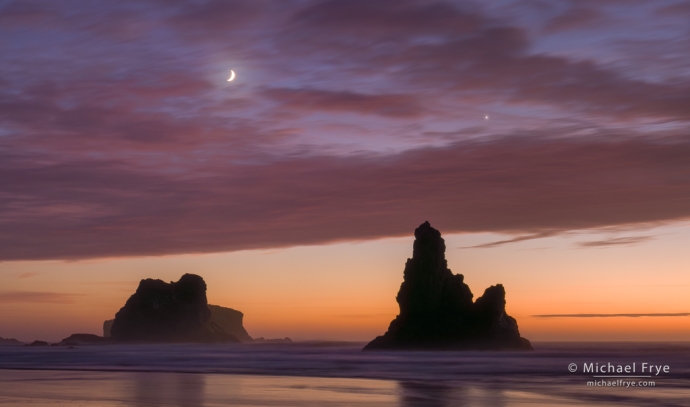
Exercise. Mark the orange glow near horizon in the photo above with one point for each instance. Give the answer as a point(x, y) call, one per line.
point(347, 291)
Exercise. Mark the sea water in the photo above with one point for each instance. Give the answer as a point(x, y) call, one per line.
point(340, 374)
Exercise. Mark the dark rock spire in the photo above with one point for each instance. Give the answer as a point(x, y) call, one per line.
point(436, 308)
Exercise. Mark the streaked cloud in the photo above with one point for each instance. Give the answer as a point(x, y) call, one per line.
point(575, 18)
point(513, 240)
point(616, 241)
point(392, 105)
point(535, 186)
point(120, 136)
point(363, 316)
point(7, 297)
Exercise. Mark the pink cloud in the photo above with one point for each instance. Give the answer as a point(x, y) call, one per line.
point(511, 184)
point(116, 140)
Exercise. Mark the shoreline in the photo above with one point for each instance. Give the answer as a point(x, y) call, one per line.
point(50, 387)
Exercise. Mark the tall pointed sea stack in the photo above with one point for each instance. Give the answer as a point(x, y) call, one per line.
point(436, 308)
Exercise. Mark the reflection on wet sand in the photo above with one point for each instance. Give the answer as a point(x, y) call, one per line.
point(419, 394)
point(46, 388)
point(464, 394)
point(41, 388)
point(183, 390)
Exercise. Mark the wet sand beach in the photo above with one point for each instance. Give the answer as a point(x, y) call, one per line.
point(328, 374)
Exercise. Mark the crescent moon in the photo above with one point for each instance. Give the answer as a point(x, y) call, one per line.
point(232, 76)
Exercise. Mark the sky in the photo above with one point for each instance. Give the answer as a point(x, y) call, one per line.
point(547, 140)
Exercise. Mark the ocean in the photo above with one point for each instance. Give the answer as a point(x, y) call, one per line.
point(340, 374)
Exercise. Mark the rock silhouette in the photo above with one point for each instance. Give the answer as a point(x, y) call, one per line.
point(230, 321)
point(83, 339)
point(107, 326)
point(168, 312)
point(38, 343)
point(10, 341)
point(436, 308)
point(276, 340)
point(227, 319)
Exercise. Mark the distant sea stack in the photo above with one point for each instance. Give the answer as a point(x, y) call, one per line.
point(10, 342)
point(82, 339)
point(436, 308)
point(38, 343)
point(228, 319)
point(168, 312)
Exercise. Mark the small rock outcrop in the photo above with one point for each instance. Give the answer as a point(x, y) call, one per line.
point(10, 342)
point(436, 308)
point(276, 340)
point(168, 312)
point(83, 339)
point(38, 343)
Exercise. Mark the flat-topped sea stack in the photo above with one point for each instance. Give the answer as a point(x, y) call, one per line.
point(168, 312)
point(436, 308)
point(228, 319)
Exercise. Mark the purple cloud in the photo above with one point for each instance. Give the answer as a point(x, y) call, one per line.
point(119, 134)
point(512, 184)
point(573, 19)
point(392, 105)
